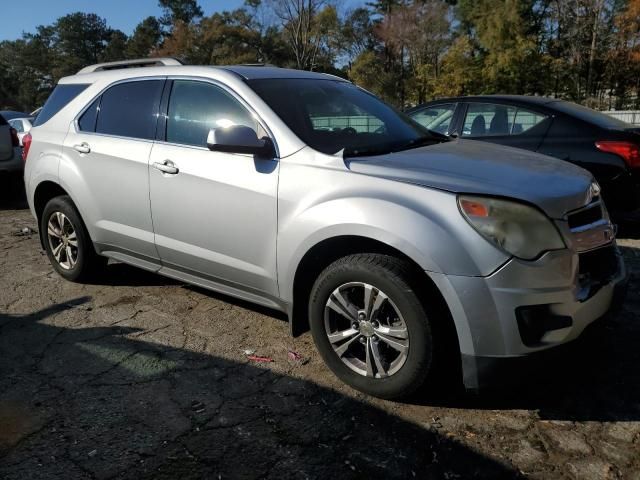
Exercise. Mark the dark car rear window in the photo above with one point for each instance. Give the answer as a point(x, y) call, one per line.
point(3, 122)
point(588, 115)
point(58, 99)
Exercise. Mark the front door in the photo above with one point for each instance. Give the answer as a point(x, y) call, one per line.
point(214, 213)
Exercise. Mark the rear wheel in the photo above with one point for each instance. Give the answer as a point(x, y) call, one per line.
point(67, 241)
point(370, 326)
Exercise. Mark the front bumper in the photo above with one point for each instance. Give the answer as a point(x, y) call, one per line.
point(486, 310)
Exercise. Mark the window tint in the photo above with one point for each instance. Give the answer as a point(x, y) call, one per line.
point(58, 99)
point(17, 124)
point(87, 122)
point(526, 119)
point(332, 115)
point(197, 107)
point(130, 109)
point(488, 119)
point(437, 118)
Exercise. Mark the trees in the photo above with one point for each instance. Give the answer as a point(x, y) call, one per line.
point(185, 11)
point(305, 25)
point(145, 39)
point(407, 51)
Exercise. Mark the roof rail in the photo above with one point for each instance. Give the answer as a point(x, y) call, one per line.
point(140, 62)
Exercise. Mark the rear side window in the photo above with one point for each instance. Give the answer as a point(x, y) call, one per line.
point(130, 109)
point(488, 119)
point(87, 122)
point(17, 124)
point(525, 120)
point(58, 99)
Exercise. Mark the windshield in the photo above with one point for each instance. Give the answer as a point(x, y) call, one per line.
point(332, 115)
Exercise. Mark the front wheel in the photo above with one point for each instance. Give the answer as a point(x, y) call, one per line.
point(369, 325)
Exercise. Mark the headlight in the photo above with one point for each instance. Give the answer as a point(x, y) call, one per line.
point(518, 229)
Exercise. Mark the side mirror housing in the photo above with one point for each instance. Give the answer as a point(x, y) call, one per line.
point(238, 139)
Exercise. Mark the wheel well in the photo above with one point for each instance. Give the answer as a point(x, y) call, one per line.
point(45, 192)
point(328, 251)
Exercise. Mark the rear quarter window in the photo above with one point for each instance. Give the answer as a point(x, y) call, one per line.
point(58, 99)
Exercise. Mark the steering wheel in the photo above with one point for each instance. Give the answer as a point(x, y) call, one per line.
point(350, 130)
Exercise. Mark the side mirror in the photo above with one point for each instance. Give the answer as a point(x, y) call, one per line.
point(238, 139)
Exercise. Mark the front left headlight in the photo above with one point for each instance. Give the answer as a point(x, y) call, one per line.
point(516, 228)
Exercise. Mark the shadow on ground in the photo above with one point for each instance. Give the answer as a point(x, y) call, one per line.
point(12, 194)
point(98, 402)
point(595, 378)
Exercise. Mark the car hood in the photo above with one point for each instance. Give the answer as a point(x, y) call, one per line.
point(467, 166)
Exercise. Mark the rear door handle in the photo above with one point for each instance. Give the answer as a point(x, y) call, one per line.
point(82, 147)
point(166, 167)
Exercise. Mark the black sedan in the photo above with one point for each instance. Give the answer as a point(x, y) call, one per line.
point(607, 147)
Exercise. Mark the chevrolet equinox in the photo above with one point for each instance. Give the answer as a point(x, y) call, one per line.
point(299, 191)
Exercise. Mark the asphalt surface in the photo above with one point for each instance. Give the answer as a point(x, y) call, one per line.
point(138, 376)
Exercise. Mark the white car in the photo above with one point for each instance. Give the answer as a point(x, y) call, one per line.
point(10, 151)
point(22, 126)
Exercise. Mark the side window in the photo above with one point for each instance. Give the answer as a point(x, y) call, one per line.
point(525, 120)
point(58, 99)
point(197, 107)
point(437, 118)
point(87, 121)
point(17, 124)
point(484, 119)
point(130, 109)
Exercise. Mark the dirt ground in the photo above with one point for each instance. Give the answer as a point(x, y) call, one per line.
point(138, 376)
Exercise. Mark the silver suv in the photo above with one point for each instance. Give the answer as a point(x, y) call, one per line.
point(405, 253)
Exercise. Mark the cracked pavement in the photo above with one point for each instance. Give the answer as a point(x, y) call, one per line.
point(139, 376)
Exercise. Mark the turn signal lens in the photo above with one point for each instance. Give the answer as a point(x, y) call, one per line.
point(474, 209)
point(514, 227)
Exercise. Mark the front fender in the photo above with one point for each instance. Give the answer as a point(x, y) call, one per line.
point(436, 241)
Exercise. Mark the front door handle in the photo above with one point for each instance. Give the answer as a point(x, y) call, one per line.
point(166, 167)
point(82, 147)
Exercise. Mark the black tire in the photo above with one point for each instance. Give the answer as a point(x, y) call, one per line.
point(87, 262)
point(393, 277)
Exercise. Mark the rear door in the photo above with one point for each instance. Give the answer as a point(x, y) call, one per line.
point(110, 146)
point(511, 125)
point(6, 145)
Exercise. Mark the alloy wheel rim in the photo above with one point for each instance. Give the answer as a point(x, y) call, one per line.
point(366, 330)
point(63, 240)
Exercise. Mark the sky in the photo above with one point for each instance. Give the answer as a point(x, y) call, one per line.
point(17, 16)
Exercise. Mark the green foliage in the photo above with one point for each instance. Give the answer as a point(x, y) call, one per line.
point(145, 39)
point(185, 11)
point(407, 51)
